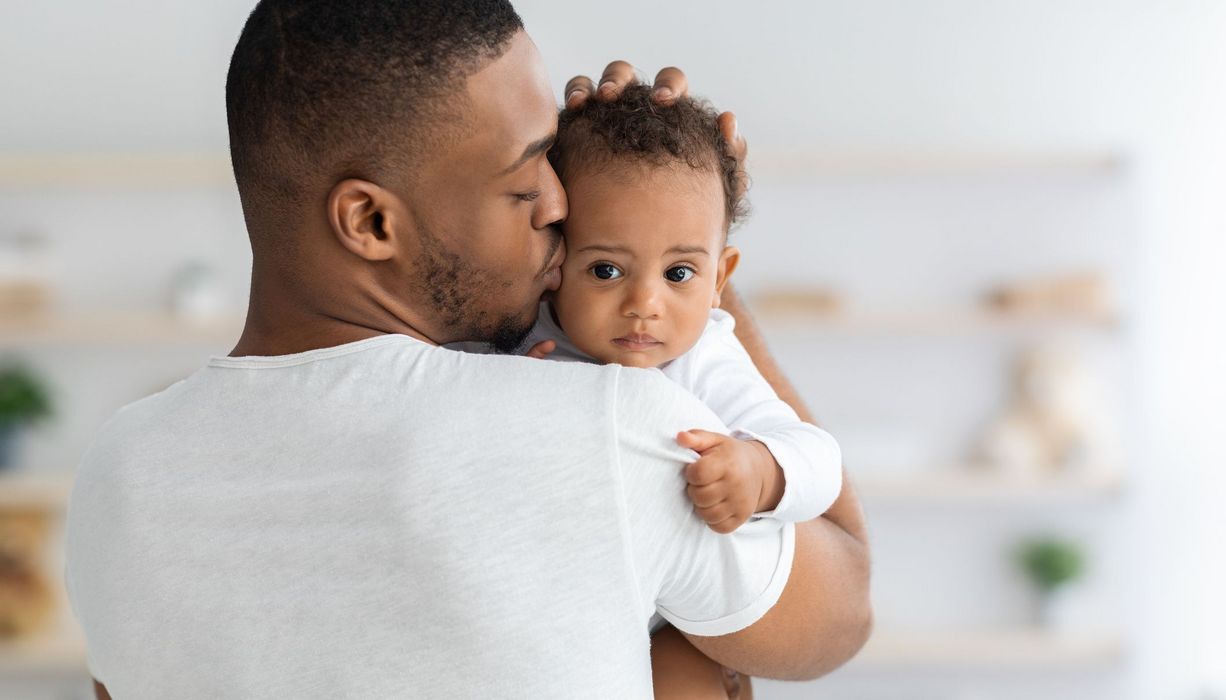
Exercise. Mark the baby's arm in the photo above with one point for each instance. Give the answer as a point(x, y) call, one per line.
point(732, 479)
point(804, 458)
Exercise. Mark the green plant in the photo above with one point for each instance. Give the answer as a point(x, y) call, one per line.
point(23, 396)
point(1050, 562)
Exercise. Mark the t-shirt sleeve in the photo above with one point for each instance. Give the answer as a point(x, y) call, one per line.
point(722, 375)
point(703, 582)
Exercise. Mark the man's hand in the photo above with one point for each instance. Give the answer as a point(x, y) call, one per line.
point(732, 479)
point(541, 349)
point(670, 84)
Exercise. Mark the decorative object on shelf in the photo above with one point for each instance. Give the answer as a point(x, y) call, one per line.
point(196, 293)
point(1055, 422)
point(25, 289)
point(1051, 564)
point(1084, 293)
point(27, 598)
point(23, 399)
point(798, 300)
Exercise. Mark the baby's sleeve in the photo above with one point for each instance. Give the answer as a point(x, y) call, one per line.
point(702, 582)
point(721, 374)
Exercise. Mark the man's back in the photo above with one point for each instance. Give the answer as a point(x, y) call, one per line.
point(389, 519)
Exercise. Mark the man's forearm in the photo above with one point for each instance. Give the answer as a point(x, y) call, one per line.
point(840, 534)
point(846, 511)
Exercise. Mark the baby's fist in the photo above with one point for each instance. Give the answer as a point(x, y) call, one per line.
point(724, 484)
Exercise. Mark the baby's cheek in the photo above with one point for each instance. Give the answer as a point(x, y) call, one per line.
point(577, 314)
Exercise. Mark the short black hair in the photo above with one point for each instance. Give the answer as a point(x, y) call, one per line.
point(634, 128)
point(331, 88)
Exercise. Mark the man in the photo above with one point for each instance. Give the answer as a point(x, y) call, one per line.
point(342, 508)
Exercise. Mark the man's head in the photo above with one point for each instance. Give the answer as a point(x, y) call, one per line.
point(652, 192)
point(390, 156)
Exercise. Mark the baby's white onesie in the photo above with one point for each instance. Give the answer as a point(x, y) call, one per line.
point(721, 374)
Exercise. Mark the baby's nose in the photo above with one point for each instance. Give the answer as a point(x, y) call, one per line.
point(643, 302)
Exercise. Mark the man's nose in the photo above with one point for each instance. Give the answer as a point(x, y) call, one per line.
point(642, 300)
point(552, 207)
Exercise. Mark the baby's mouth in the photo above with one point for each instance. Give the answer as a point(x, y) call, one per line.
point(637, 341)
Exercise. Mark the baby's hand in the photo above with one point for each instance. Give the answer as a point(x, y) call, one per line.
point(541, 349)
point(731, 479)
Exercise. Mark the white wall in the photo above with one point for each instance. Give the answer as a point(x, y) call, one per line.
point(1135, 77)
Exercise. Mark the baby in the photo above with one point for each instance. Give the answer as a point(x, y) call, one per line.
point(653, 192)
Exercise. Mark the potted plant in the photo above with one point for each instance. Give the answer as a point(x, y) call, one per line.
point(23, 400)
point(1050, 563)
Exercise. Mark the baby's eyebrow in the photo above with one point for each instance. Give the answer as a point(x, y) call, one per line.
point(604, 249)
point(696, 249)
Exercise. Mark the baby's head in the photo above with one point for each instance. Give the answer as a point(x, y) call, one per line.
point(653, 191)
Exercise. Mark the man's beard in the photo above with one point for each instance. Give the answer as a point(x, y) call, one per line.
point(451, 286)
point(509, 334)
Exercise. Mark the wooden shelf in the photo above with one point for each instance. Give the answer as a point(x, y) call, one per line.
point(109, 170)
point(1021, 648)
point(117, 328)
point(59, 654)
point(795, 321)
point(893, 162)
point(38, 489)
point(967, 487)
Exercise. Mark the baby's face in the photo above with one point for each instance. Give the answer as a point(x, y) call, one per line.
point(645, 262)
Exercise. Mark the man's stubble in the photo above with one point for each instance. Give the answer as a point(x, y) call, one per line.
point(459, 295)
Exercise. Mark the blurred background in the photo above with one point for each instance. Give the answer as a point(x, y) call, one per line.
point(987, 245)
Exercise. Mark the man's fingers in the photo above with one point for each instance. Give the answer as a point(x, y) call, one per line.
point(670, 84)
point(737, 146)
point(732, 134)
point(617, 75)
point(578, 89)
point(541, 349)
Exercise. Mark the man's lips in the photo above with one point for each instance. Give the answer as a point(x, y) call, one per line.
point(553, 269)
point(637, 341)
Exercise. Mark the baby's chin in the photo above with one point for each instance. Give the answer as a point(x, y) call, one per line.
point(632, 359)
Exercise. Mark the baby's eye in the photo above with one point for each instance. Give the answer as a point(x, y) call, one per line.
point(605, 271)
point(679, 273)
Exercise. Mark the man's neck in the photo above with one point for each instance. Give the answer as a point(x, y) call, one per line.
point(280, 324)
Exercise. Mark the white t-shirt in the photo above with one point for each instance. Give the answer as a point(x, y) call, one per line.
point(390, 519)
point(721, 374)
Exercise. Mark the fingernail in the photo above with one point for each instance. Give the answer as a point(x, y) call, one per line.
point(606, 86)
point(570, 96)
point(663, 93)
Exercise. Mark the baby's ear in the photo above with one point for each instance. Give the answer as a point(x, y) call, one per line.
point(723, 270)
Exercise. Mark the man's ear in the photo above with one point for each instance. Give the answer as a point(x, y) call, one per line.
point(364, 219)
point(723, 270)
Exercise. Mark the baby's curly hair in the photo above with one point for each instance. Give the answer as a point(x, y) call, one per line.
point(633, 128)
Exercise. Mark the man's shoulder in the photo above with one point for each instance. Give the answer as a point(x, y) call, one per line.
point(648, 398)
point(518, 372)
